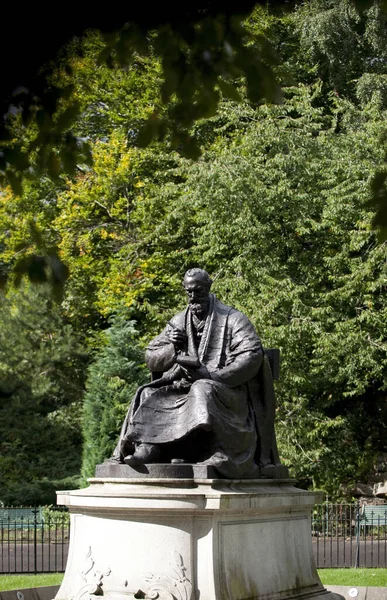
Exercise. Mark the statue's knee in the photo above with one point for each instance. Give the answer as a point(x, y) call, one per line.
point(202, 385)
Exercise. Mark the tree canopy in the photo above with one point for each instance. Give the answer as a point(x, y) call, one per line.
point(202, 49)
point(41, 364)
point(279, 208)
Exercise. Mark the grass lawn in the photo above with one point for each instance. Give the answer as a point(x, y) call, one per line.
point(354, 577)
point(20, 582)
point(349, 577)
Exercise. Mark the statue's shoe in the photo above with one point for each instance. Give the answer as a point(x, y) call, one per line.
point(214, 461)
point(145, 453)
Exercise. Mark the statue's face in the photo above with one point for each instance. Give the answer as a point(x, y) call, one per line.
point(197, 290)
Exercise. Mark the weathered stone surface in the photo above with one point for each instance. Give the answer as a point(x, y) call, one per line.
point(41, 593)
point(362, 489)
point(155, 471)
point(216, 540)
point(111, 469)
point(380, 489)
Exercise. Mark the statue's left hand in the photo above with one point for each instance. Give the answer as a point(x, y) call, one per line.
point(195, 373)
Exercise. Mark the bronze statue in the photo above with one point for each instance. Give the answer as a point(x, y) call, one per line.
point(211, 399)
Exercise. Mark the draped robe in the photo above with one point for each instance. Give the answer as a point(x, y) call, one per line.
point(233, 408)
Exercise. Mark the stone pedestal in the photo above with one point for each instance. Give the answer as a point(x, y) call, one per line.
point(190, 539)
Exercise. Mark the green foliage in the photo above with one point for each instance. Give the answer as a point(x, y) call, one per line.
point(278, 211)
point(279, 208)
point(109, 98)
point(340, 43)
point(112, 380)
point(287, 231)
point(42, 490)
point(199, 53)
point(55, 516)
point(157, 78)
point(344, 44)
point(41, 366)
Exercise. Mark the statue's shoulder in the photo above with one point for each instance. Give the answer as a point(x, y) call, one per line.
point(232, 313)
point(220, 307)
point(238, 323)
point(179, 319)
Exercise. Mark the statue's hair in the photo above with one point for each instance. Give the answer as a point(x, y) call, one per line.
point(203, 274)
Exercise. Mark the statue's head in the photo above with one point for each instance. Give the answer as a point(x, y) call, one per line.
point(197, 284)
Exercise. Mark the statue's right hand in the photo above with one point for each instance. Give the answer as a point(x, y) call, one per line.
point(177, 337)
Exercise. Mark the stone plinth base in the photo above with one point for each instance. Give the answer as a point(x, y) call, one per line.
point(187, 471)
point(185, 539)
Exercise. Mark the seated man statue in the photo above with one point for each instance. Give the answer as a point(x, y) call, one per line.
point(211, 399)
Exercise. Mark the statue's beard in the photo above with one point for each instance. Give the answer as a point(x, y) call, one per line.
point(199, 309)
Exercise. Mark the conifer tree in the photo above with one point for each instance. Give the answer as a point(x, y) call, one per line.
point(111, 382)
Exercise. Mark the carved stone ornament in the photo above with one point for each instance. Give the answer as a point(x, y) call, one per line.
point(92, 580)
point(172, 585)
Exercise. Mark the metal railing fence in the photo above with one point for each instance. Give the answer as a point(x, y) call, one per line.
point(33, 540)
point(349, 535)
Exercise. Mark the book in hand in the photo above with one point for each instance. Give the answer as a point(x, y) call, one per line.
point(186, 360)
